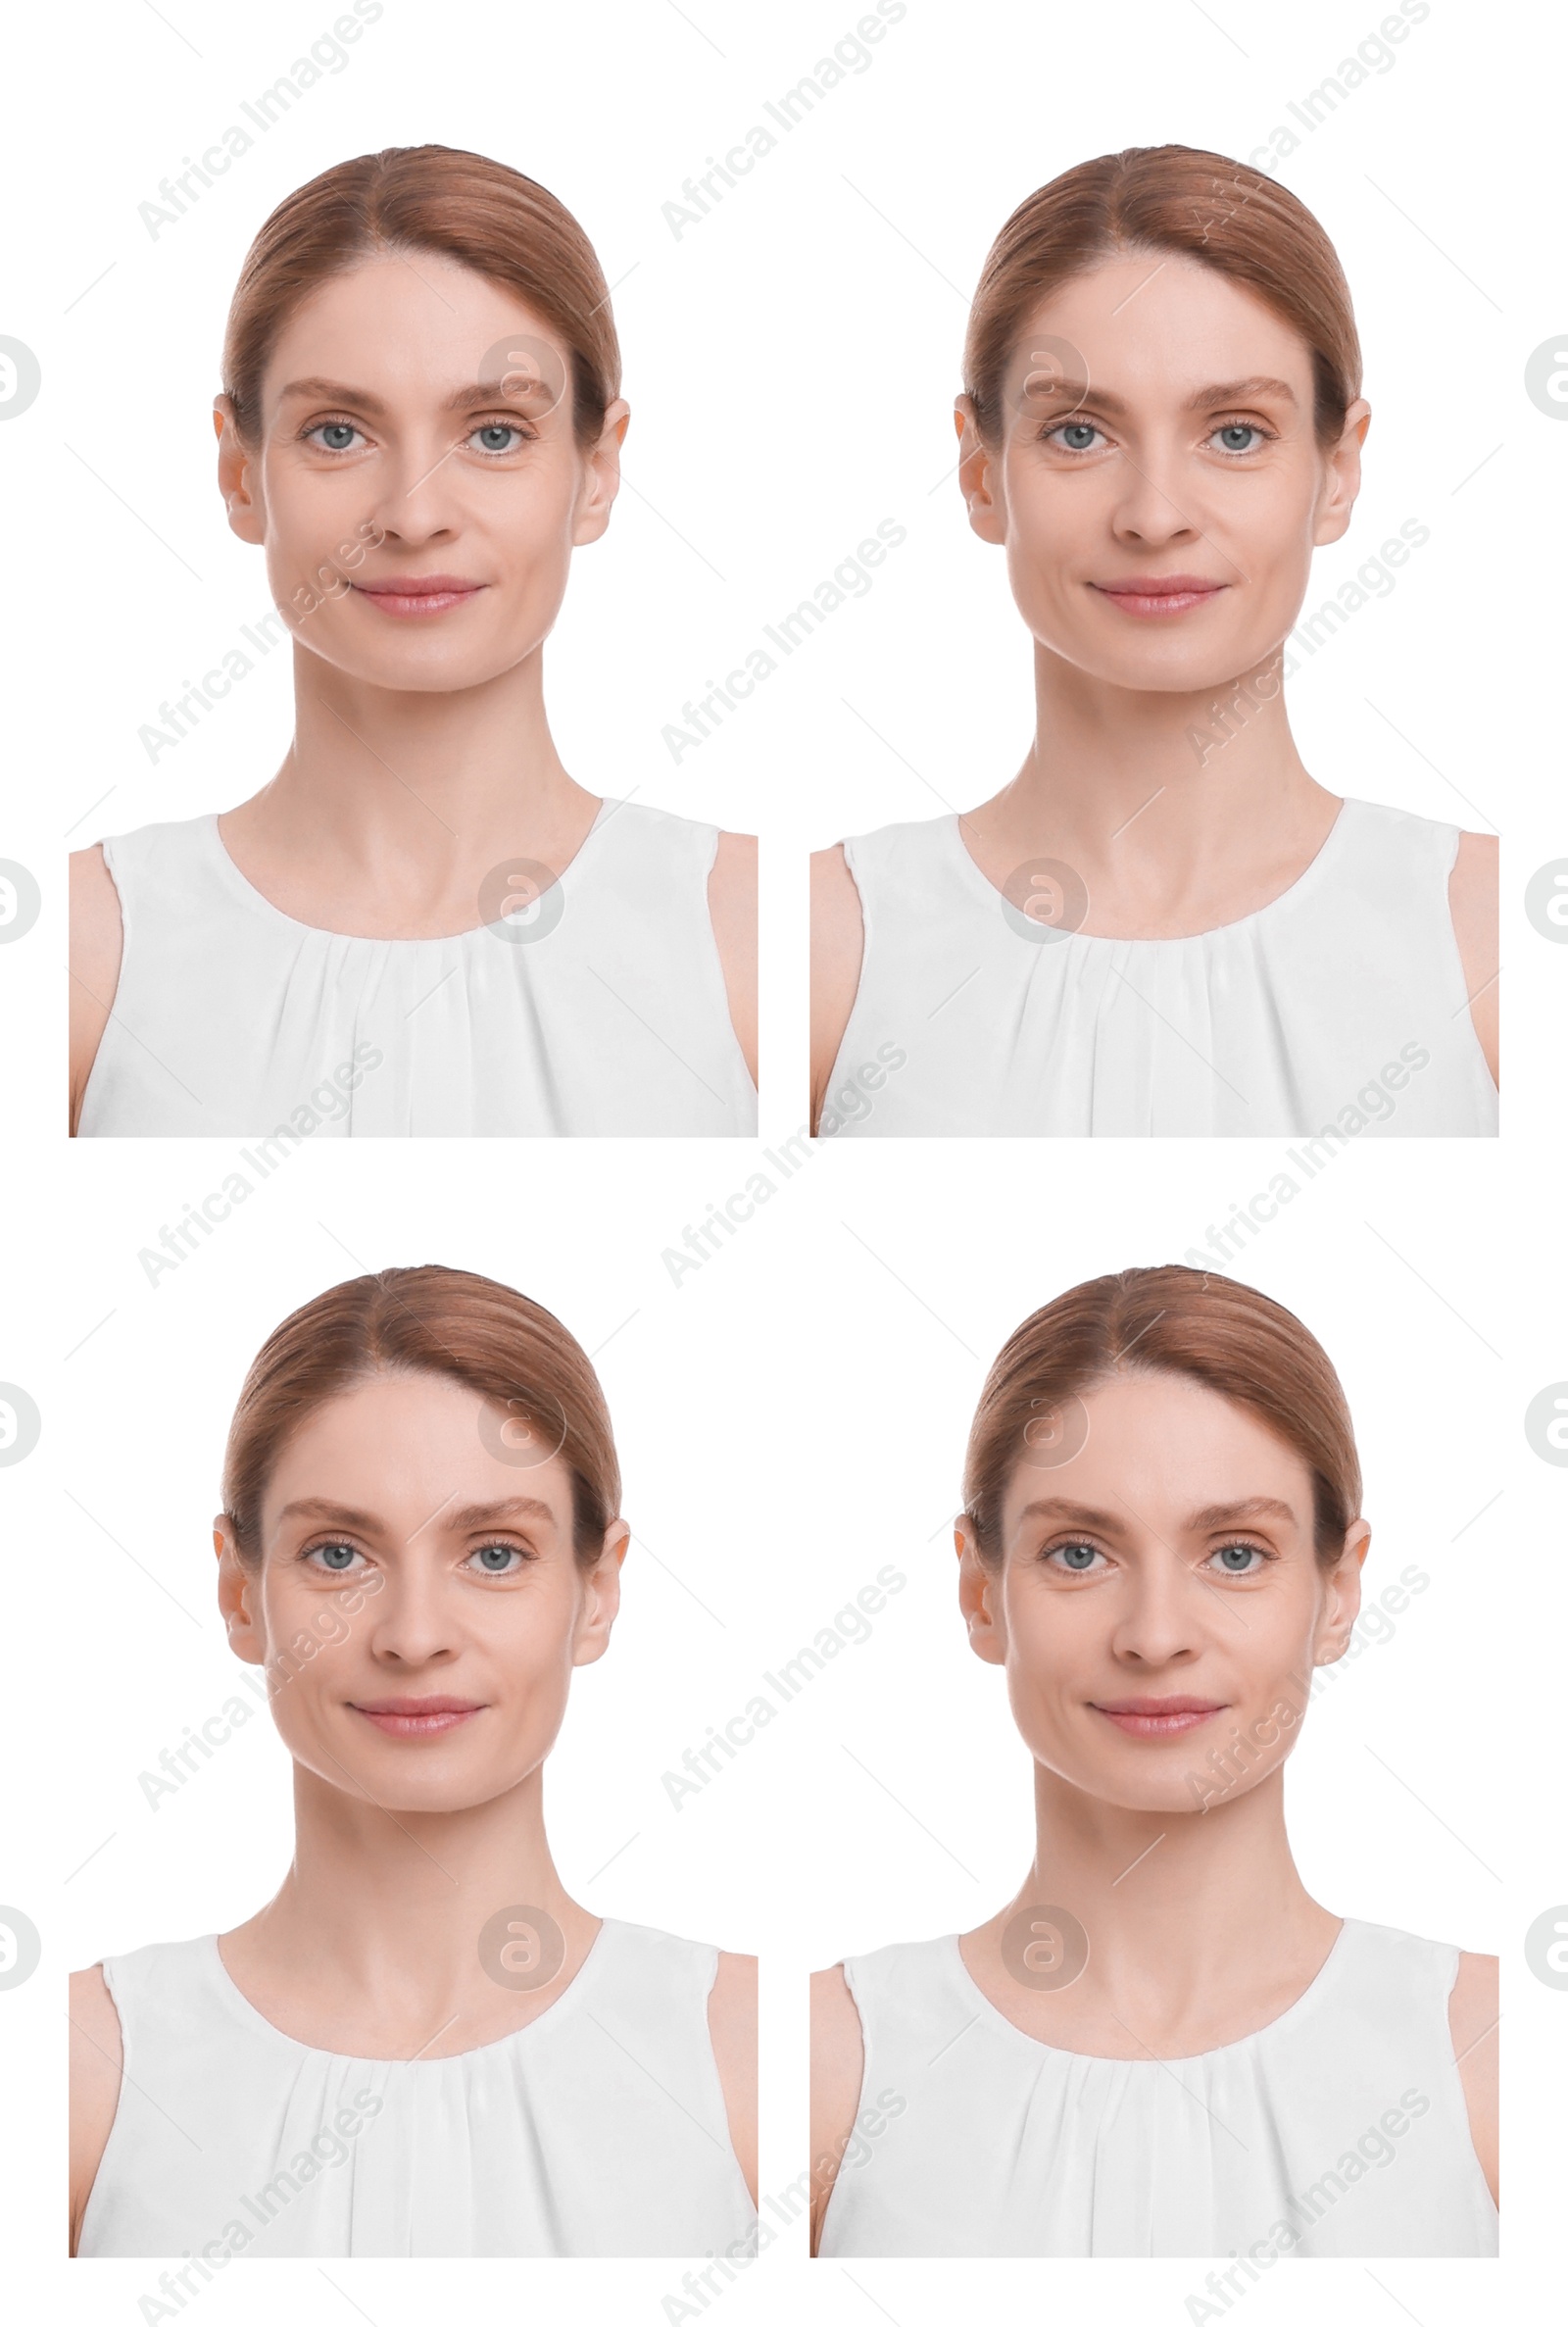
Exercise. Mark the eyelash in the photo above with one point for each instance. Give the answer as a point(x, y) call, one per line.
point(524, 1557)
point(341, 420)
point(339, 1543)
point(1082, 452)
point(1082, 1542)
point(329, 1543)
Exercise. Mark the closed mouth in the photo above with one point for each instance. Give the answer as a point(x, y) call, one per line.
point(418, 1716)
point(419, 595)
point(1159, 1717)
point(1161, 594)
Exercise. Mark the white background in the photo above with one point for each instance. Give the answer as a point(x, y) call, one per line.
point(793, 1416)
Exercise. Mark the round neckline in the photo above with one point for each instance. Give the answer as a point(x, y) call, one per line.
point(1325, 1972)
point(592, 1963)
point(1310, 873)
point(232, 878)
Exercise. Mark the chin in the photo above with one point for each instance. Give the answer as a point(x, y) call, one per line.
point(1158, 665)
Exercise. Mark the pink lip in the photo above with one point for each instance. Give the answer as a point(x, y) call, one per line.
point(420, 594)
point(1159, 593)
point(1159, 1716)
point(418, 1716)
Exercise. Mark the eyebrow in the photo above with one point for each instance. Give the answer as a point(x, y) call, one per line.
point(1213, 1514)
point(341, 1515)
point(1205, 399)
point(492, 1514)
point(471, 397)
point(465, 1518)
point(1251, 1507)
point(1074, 1515)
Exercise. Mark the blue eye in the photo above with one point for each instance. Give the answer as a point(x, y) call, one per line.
point(1074, 436)
point(1077, 1559)
point(495, 1559)
point(336, 1557)
point(336, 435)
point(1237, 1559)
point(490, 430)
point(1233, 429)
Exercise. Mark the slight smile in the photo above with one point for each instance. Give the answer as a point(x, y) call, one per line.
point(1159, 1717)
point(418, 1716)
point(419, 595)
point(1160, 594)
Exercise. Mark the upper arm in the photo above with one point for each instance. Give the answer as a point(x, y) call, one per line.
point(96, 941)
point(1473, 2024)
point(838, 2065)
point(1473, 902)
point(732, 908)
point(838, 941)
point(95, 2065)
point(732, 2025)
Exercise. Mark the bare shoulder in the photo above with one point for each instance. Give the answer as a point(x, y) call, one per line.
point(732, 908)
point(96, 943)
point(96, 2057)
point(1473, 905)
point(1473, 2011)
point(838, 2065)
point(838, 943)
point(732, 2025)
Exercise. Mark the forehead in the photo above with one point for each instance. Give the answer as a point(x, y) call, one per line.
point(1157, 1443)
point(401, 1440)
point(1147, 318)
point(412, 319)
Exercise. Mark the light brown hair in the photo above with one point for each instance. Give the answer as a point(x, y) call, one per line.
point(1208, 1329)
point(436, 198)
point(445, 1322)
point(1194, 204)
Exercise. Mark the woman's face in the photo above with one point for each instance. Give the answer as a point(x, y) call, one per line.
point(417, 1604)
point(1158, 1604)
point(1157, 425)
point(417, 426)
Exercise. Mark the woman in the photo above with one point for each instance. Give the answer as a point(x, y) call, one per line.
point(422, 925)
point(421, 2044)
point(1162, 2045)
point(1163, 924)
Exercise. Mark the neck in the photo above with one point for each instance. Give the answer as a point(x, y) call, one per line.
point(390, 1904)
point(1169, 1900)
point(409, 797)
point(1167, 805)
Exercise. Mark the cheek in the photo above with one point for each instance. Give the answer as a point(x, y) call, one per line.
point(1050, 1637)
point(1277, 525)
point(530, 519)
point(1276, 1651)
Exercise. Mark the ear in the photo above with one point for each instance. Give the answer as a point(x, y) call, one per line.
point(237, 475)
point(602, 475)
point(978, 474)
point(1341, 1597)
point(979, 1597)
point(1343, 475)
point(601, 1596)
point(238, 1595)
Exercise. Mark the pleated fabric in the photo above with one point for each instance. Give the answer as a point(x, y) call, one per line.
point(1338, 1010)
point(595, 1010)
point(599, 2128)
point(1341, 2128)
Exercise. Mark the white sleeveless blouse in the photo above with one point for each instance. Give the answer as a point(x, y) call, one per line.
point(1337, 1011)
point(1339, 2129)
point(599, 1010)
point(598, 2129)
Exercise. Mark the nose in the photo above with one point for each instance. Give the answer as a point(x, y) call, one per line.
point(409, 1621)
point(417, 500)
point(1160, 1620)
point(1148, 511)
